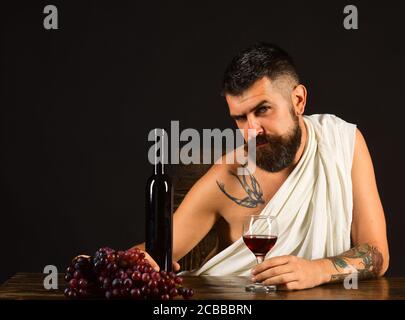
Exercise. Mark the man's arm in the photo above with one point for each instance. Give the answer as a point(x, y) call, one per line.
point(197, 214)
point(365, 260)
point(369, 256)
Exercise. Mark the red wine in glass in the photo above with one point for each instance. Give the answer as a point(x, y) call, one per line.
point(259, 244)
point(260, 234)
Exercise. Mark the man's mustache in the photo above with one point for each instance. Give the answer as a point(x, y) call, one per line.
point(261, 139)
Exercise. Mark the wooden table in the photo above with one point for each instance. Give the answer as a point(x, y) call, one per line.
point(29, 286)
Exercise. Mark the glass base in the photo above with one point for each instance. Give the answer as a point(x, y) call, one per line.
point(258, 287)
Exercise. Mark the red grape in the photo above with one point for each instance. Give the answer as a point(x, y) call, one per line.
point(108, 294)
point(116, 283)
point(152, 284)
point(116, 292)
point(165, 297)
point(111, 257)
point(134, 257)
point(155, 292)
point(155, 276)
point(145, 291)
point(73, 283)
point(171, 283)
point(178, 280)
point(83, 283)
point(135, 293)
point(72, 294)
point(70, 269)
point(173, 292)
point(145, 277)
point(83, 292)
point(128, 283)
point(136, 276)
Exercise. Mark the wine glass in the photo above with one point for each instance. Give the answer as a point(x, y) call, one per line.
point(260, 235)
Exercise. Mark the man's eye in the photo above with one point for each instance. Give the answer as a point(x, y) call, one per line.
point(240, 118)
point(262, 110)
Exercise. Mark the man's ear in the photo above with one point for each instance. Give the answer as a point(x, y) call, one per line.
point(299, 99)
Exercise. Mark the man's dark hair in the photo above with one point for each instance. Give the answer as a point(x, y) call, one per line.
point(255, 62)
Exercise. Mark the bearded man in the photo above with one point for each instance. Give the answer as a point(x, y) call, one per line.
point(314, 174)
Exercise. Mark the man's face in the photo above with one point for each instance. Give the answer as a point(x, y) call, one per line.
point(267, 108)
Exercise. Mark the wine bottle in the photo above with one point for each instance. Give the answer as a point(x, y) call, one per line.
point(159, 214)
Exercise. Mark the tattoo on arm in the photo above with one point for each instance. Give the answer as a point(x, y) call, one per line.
point(252, 188)
point(364, 259)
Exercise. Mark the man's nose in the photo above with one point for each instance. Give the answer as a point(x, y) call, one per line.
point(254, 123)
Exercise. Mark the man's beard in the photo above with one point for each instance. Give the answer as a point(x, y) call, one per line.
point(279, 151)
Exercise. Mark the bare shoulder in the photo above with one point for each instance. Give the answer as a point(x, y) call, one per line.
point(365, 191)
point(362, 162)
point(360, 144)
point(222, 171)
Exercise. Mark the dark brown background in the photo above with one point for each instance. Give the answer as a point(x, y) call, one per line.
point(77, 105)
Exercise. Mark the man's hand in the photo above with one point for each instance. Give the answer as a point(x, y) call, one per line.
point(141, 246)
point(290, 272)
point(293, 273)
point(176, 266)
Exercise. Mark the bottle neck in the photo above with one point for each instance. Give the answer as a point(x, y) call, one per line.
point(159, 163)
point(159, 169)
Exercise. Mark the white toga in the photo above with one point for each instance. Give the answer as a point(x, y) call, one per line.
point(313, 206)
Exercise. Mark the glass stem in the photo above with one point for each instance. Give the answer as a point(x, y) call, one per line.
point(259, 259)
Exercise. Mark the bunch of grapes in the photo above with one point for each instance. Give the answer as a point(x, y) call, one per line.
point(121, 275)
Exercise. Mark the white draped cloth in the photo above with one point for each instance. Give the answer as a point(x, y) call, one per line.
point(313, 207)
